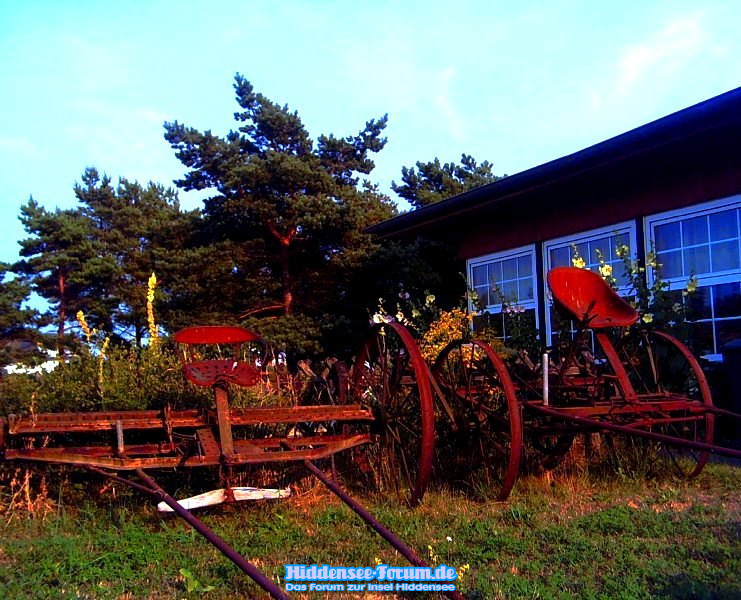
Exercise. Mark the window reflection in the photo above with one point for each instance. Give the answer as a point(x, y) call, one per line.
point(708, 247)
point(708, 243)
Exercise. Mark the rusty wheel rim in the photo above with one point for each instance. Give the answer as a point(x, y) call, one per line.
point(662, 365)
point(391, 377)
point(488, 418)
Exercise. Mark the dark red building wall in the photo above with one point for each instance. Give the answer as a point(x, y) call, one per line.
point(622, 191)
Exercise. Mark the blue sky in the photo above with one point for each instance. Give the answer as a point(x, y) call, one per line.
point(516, 83)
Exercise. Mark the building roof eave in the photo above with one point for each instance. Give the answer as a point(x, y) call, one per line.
point(678, 127)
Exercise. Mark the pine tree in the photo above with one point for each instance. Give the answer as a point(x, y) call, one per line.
point(432, 182)
point(138, 231)
point(18, 323)
point(292, 208)
point(62, 263)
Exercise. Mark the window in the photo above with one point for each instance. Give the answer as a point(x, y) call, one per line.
point(705, 242)
point(590, 245)
point(504, 282)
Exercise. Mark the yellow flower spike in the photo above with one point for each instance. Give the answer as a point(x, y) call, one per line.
point(578, 262)
point(647, 318)
point(101, 360)
point(85, 327)
point(153, 330)
point(151, 284)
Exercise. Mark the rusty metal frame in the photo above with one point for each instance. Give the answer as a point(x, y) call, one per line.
point(188, 438)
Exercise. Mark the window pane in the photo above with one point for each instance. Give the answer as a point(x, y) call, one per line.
point(479, 276)
point(727, 331)
point(615, 241)
point(697, 260)
point(618, 272)
point(509, 269)
point(583, 250)
point(695, 231)
point(495, 273)
point(487, 320)
point(526, 289)
point(725, 255)
point(526, 321)
point(667, 236)
point(727, 300)
point(702, 338)
point(508, 289)
point(723, 225)
point(496, 323)
point(483, 294)
point(602, 246)
point(698, 304)
point(674, 295)
point(671, 263)
point(524, 266)
point(561, 257)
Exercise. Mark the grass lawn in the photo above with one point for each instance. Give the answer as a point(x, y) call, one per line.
point(573, 533)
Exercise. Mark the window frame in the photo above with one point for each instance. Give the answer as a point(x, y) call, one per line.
point(708, 279)
point(502, 255)
point(623, 228)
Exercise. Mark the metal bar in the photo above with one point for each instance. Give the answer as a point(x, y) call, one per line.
point(617, 366)
point(650, 435)
point(225, 426)
point(102, 421)
point(442, 399)
point(384, 532)
point(119, 438)
point(650, 422)
point(223, 547)
point(157, 419)
point(300, 414)
point(132, 484)
point(314, 450)
point(722, 412)
point(646, 404)
point(545, 364)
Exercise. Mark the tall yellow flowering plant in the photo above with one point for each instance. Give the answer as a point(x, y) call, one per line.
point(153, 329)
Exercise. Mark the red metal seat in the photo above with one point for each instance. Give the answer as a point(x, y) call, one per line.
point(215, 334)
point(231, 370)
point(589, 298)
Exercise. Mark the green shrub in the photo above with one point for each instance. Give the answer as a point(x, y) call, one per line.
point(122, 379)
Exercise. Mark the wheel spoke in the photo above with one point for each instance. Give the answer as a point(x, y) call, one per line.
point(402, 400)
point(487, 443)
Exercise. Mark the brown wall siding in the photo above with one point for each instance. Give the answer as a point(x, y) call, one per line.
point(599, 200)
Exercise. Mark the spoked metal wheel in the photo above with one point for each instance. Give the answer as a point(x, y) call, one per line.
point(487, 440)
point(665, 372)
point(552, 449)
point(390, 376)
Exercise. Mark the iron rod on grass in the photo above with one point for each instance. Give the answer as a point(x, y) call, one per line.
point(253, 572)
point(650, 435)
point(384, 532)
point(157, 492)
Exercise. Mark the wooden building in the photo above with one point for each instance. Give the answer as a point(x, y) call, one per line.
point(673, 185)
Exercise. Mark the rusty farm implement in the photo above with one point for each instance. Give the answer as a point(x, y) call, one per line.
point(386, 411)
point(646, 385)
point(381, 413)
